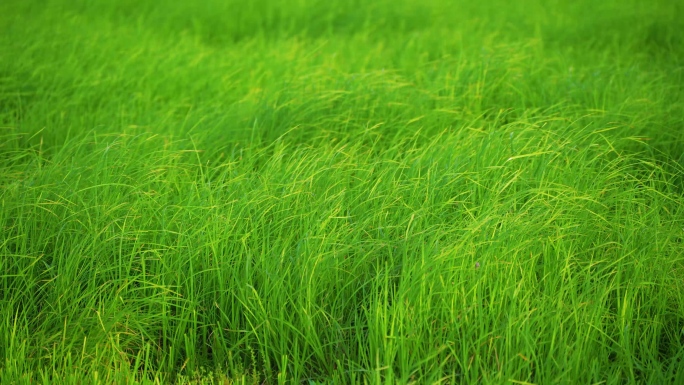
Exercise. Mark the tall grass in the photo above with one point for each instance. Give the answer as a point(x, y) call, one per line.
point(341, 192)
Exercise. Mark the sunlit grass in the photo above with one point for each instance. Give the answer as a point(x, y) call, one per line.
point(340, 192)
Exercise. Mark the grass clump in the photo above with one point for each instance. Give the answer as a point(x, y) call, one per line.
point(341, 192)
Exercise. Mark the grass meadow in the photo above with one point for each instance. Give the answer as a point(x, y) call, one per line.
point(341, 192)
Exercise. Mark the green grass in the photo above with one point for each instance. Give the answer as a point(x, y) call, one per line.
point(334, 191)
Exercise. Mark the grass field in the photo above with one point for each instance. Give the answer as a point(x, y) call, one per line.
point(342, 191)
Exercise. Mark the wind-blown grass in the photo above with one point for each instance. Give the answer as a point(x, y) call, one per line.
point(341, 192)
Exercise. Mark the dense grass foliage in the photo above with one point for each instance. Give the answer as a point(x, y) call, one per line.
point(341, 191)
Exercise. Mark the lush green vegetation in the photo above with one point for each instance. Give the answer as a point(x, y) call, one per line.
point(342, 191)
